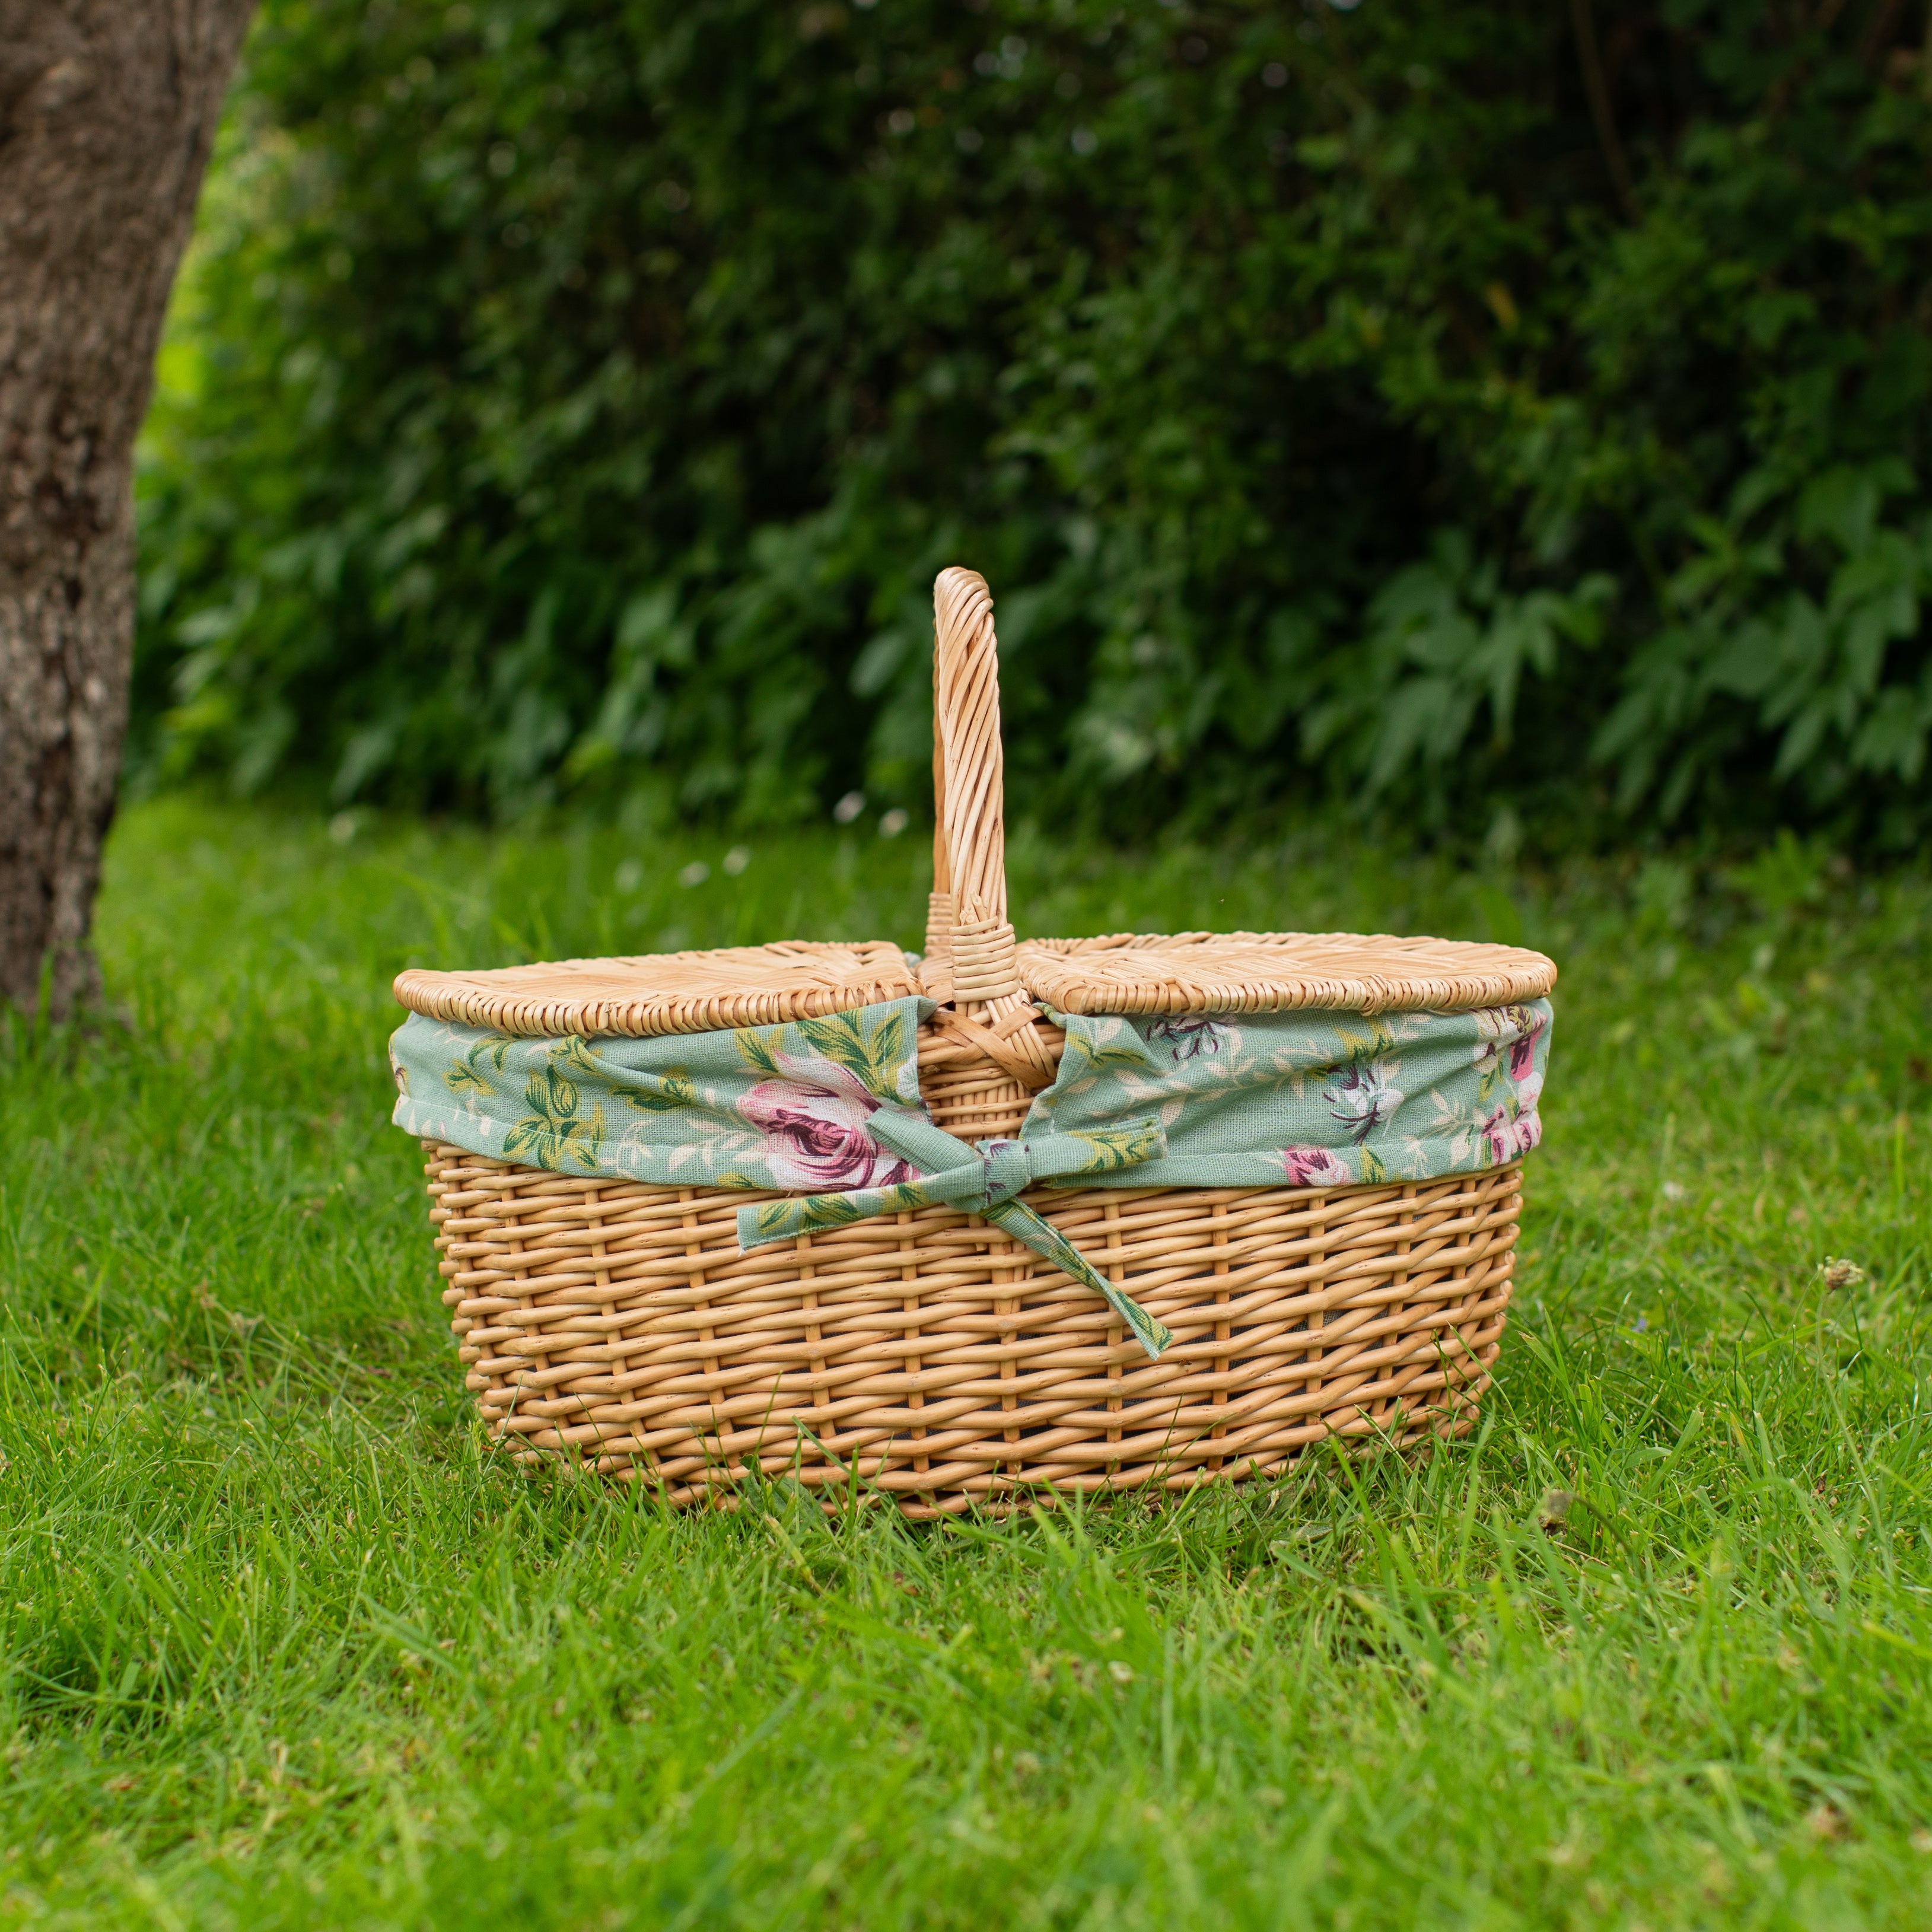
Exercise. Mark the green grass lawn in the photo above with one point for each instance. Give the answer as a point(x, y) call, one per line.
point(283, 1646)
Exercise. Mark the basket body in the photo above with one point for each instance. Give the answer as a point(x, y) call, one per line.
point(1157, 1337)
point(932, 1358)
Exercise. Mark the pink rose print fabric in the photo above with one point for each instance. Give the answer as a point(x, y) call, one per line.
point(1315, 1167)
point(816, 1139)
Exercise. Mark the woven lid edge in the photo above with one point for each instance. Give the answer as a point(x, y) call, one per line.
point(522, 1005)
point(1497, 975)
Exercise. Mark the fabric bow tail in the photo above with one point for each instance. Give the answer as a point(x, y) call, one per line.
point(985, 1179)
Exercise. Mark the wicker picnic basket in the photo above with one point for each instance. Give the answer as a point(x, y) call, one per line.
point(928, 1355)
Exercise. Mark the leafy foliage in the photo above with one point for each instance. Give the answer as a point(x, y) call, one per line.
point(578, 398)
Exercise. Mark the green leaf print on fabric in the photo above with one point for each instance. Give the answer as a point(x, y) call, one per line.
point(777, 1219)
point(759, 1049)
point(875, 1049)
point(673, 1091)
point(1101, 1044)
point(493, 1047)
point(1120, 1147)
point(666, 1093)
point(551, 1133)
point(813, 1213)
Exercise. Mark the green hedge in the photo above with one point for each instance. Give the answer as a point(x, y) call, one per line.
point(1509, 416)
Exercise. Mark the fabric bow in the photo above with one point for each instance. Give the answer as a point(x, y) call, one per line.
point(985, 1179)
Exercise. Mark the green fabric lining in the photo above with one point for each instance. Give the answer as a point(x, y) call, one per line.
point(828, 1111)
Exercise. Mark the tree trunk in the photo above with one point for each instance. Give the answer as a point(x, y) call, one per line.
point(107, 110)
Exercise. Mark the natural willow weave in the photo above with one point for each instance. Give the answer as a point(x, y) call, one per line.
point(1277, 972)
point(926, 1355)
point(666, 992)
point(933, 1358)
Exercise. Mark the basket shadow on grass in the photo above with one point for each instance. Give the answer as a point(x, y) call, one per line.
point(280, 1643)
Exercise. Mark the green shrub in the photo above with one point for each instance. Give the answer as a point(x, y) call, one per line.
point(578, 399)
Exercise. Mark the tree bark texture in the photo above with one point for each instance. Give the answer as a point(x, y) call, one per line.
point(107, 111)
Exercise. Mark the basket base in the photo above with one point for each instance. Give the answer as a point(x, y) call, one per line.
point(929, 1358)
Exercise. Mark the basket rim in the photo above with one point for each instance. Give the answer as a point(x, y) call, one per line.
point(1166, 974)
point(1151, 975)
point(652, 995)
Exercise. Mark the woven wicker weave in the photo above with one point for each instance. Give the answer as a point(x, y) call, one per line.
point(933, 1358)
point(1277, 972)
point(665, 992)
point(928, 1357)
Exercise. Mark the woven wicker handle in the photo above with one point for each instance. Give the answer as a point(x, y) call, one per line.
point(986, 1022)
point(969, 952)
point(970, 774)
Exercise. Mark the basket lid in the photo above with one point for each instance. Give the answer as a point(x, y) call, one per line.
point(656, 994)
point(1277, 972)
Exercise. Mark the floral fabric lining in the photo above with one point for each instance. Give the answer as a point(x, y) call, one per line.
point(828, 1111)
point(1317, 1100)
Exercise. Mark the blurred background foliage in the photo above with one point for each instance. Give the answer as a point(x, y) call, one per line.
point(1507, 415)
